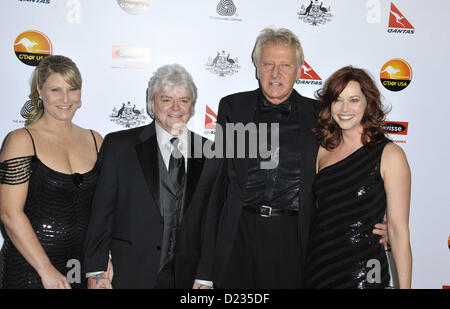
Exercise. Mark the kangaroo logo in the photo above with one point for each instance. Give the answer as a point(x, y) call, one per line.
point(391, 71)
point(27, 44)
point(210, 119)
point(397, 19)
point(309, 76)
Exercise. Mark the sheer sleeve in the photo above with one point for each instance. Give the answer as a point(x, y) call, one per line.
point(16, 171)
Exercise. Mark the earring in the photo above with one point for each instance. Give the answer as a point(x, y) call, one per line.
point(40, 103)
point(80, 105)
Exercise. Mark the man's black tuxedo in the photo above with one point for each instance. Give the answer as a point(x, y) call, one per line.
point(126, 217)
point(230, 178)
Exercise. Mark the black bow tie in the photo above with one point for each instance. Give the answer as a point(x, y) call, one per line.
point(283, 108)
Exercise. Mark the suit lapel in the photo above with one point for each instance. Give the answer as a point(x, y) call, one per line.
point(194, 169)
point(245, 116)
point(147, 153)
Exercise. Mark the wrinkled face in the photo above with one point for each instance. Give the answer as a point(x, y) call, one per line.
point(277, 71)
point(172, 107)
point(61, 100)
point(348, 109)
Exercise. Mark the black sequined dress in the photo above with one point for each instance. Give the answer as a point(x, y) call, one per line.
point(343, 252)
point(58, 207)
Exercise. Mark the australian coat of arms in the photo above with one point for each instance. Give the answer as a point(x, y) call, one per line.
point(128, 116)
point(222, 65)
point(315, 13)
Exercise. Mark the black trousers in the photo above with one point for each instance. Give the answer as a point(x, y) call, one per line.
point(265, 254)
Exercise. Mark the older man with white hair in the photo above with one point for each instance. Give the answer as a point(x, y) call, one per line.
point(140, 213)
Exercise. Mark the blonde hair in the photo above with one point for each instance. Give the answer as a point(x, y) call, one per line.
point(48, 66)
point(277, 36)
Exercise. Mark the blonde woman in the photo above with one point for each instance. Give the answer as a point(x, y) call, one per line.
point(48, 174)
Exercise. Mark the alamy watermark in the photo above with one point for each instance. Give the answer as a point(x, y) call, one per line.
point(238, 141)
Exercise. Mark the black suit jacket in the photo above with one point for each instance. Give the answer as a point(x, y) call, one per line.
point(126, 218)
point(230, 177)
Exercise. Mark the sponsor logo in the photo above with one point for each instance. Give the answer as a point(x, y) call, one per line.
point(36, 1)
point(309, 76)
point(123, 54)
point(226, 11)
point(210, 121)
point(396, 74)
point(134, 7)
point(226, 8)
point(315, 13)
point(395, 127)
point(398, 22)
point(32, 46)
point(222, 64)
point(128, 116)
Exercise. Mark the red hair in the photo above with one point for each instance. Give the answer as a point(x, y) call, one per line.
point(328, 131)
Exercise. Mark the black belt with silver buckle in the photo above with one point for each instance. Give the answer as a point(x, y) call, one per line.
point(267, 211)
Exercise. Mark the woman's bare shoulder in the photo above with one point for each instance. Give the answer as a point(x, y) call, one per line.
point(17, 143)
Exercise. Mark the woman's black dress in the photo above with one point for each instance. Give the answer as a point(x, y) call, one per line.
point(343, 252)
point(58, 206)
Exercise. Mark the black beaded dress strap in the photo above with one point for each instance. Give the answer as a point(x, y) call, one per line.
point(16, 171)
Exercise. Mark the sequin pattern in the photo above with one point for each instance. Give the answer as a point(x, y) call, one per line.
point(58, 207)
point(350, 200)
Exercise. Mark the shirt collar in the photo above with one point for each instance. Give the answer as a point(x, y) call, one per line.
point(164, 138)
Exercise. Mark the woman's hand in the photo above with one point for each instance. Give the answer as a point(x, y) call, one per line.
point(52, 279)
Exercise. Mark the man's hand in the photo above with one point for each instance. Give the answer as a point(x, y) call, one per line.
point(110, 271)
point(100, 281)
point(381, 229)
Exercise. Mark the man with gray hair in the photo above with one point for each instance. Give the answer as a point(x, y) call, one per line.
point(258, 219)
point(141, 212)
point(257, 224)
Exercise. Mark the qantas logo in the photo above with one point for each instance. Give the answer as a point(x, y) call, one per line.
point(398, 23)
point(309, 76)
point(210, 121)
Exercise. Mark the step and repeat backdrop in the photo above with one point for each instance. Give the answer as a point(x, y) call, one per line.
point(118, 44)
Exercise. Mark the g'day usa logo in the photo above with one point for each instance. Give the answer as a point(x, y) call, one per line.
point(398, 22)
point(396, 74)
point(32, 46)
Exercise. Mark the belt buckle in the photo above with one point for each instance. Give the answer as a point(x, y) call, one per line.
point(266, 211)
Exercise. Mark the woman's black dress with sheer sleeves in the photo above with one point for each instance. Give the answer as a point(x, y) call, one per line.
point(58, 207)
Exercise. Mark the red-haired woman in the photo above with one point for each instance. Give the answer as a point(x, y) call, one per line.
point(361, 175)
